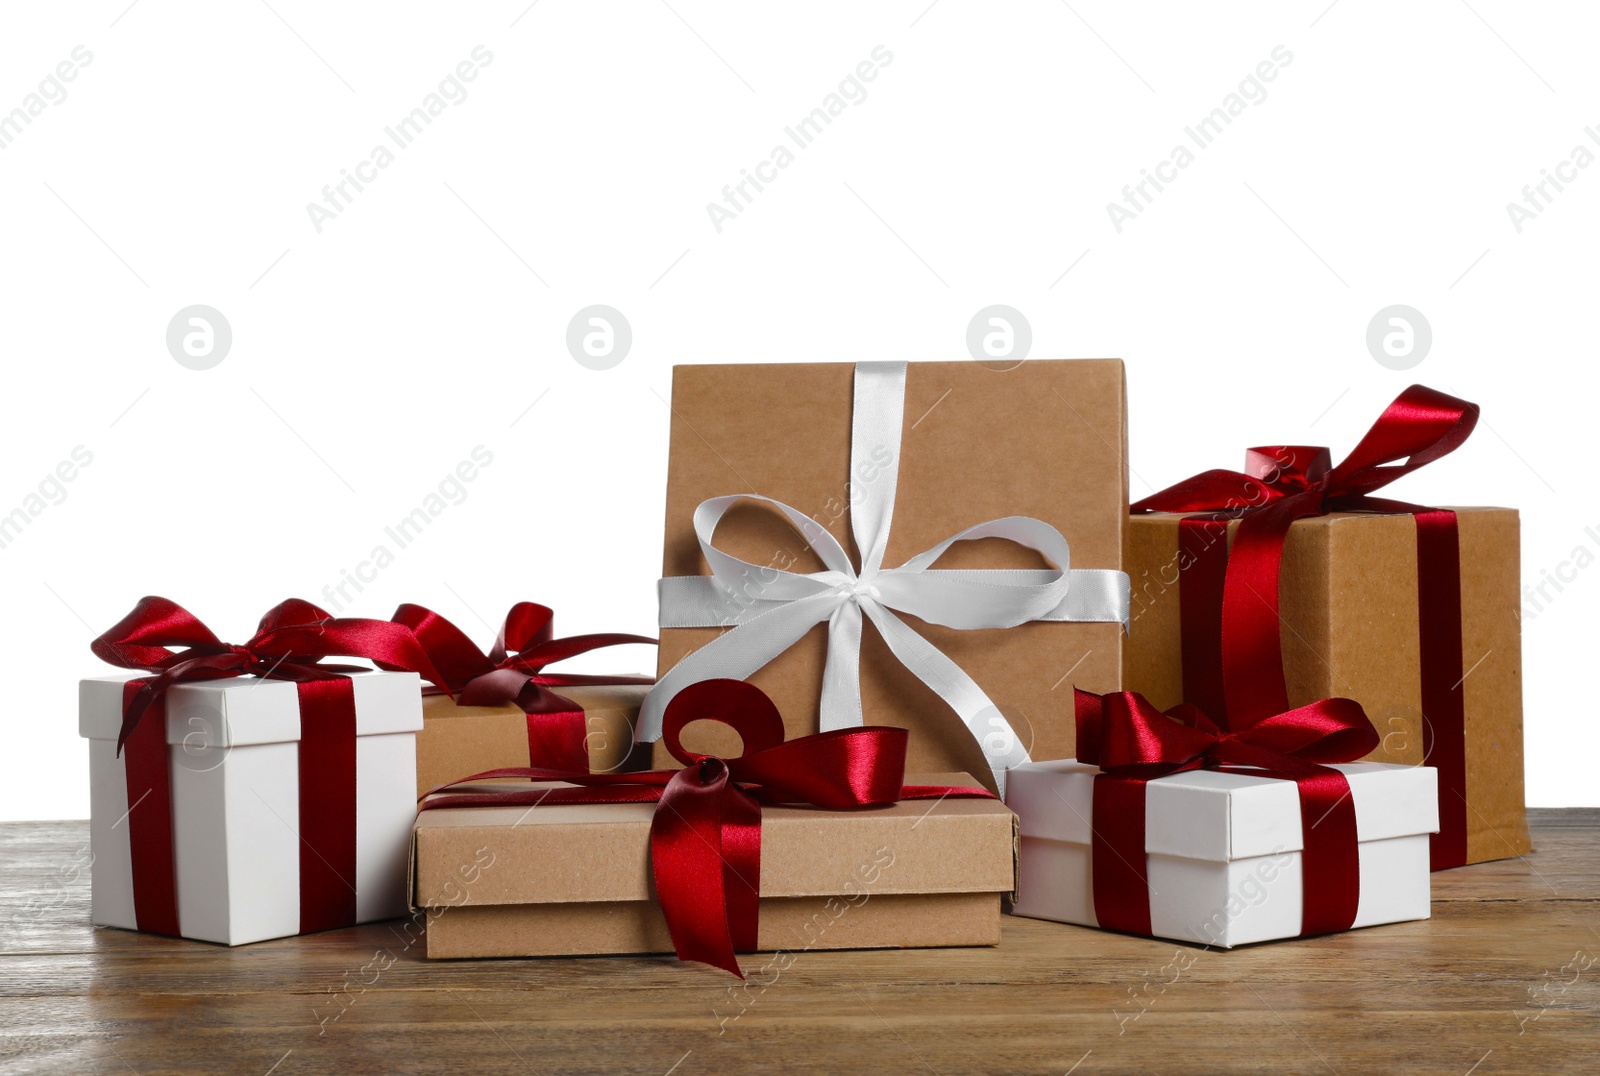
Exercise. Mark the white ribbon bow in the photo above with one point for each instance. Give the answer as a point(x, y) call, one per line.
point(768, 610)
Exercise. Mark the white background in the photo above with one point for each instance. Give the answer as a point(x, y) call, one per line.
point(430, 316)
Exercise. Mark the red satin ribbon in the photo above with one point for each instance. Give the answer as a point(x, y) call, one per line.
point(513, 672)
point(705, 836)
point(1132, 742)
point(289, 644)
point(1232, 657)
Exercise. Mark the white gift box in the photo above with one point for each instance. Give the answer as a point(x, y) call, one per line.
point(1223, 848)
point(233, 759)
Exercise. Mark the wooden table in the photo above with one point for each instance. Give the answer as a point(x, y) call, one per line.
point(1505, 977)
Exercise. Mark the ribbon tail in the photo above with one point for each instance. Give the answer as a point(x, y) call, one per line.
point(705, 854)
point(841, 673)
point(1002, 747)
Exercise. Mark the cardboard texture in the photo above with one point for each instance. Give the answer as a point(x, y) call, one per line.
point(459, 741)
point(1348, 604)
point(576, 879)
point(1224, 849)
point(234, 763)
point(1046, 439)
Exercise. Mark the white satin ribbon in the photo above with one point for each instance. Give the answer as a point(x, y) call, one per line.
point(768, 610)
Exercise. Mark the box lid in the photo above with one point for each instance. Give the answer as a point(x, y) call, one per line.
point(1218, 816)
point(244, 710)
point(601, 852)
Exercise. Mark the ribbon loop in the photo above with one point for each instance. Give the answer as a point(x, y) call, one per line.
point(291, 612)
point(1420, 426)
point(527, 624)
point(1134, 733)
point(743, 707)
point(141, 640)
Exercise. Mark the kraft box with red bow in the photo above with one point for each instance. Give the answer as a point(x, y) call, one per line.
point(815, 843)
point(503, 708)
point(1188, 832)
point(1292, 581)
point(246, 792)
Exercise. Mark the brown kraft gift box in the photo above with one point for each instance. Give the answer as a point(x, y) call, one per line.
point(459, 741)
point(576, 879)
point(1349, 627)
point(1044, 439)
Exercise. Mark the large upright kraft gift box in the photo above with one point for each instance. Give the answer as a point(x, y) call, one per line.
point(1349, 627)
point(1045, 439)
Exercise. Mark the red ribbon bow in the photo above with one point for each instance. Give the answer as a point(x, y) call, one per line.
point(513, 671)
point(1232, 657)
point(705, 838)
point(289, 644)
point(1132, 742)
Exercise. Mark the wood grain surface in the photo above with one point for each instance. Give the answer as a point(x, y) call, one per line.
point(1504, 978)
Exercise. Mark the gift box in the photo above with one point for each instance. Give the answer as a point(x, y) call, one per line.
point(255, 791)
point(974, 516)
point(1290, 582)
point(504, 709)
point(240, 834)
point(1170, 823)
point(457, 740)
point(576, 879)
point(1224, 851)
point(810, 843)
point(1348, 604)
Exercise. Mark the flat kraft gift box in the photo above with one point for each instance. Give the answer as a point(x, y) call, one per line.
point(253, 850)
point(1225, 862)
point(576, 878)
point(833, 488)
point(503, 708)
point(1349, 619)
point(458, 741)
